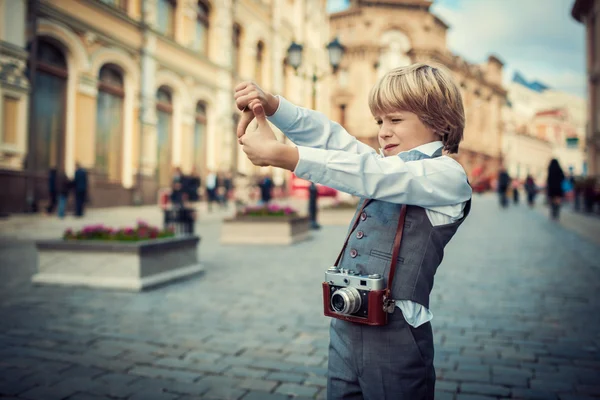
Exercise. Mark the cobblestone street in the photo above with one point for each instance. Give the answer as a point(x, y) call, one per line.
point(516, 304)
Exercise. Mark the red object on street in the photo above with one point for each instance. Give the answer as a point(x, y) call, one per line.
point(299, 188)
point(163, 198)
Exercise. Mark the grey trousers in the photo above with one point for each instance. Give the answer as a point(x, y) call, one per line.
point(394, 361)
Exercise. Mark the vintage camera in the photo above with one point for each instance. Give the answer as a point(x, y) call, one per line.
point(350, 296)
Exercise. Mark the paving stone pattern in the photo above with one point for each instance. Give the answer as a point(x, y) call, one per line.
point(515, 304)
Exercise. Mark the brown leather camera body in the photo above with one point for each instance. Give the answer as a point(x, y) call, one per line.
point(379, 300)
point(376, 314)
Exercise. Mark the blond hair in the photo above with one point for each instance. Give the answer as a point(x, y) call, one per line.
point(429, 92)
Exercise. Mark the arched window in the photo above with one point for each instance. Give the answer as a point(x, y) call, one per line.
point(236, 43)
point(199, 149)
point(109, 122)
point(166, 17)
point(49, 105)
point(164, 113)
point(260, 55)
point(201, 36)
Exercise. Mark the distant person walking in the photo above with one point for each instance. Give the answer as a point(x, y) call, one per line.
point(554, 188)
point(515, 190)
point(63, 187)
point(503, 183)
point(531, 190)
point(80, 182)
point(52, 190)
point(212, 184)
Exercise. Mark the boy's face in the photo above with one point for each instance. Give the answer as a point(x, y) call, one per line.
point(402, 131)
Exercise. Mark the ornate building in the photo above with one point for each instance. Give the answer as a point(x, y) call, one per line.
point(588, 13)
point(541, 124)
point(383, 34)
point(132, 88)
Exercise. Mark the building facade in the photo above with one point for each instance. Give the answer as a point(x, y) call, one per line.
point(588, 12)
point(380, 35)
point(131, 89)
point(542, 124)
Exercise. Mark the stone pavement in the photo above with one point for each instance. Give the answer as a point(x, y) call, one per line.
point(515, 306)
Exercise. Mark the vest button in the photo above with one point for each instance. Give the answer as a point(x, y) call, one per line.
point(360, 234)
point(363, 216)
point(353, 253)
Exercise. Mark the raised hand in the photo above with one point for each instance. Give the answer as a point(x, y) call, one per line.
point(247, 95)
point(261, 143)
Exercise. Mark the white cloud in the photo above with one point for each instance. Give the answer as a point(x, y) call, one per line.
point(537, 37)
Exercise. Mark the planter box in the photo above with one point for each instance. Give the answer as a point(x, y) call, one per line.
point(265, 230)
point(117, 265)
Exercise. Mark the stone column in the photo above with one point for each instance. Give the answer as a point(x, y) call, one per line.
point(221, 136)
point(84, 143)
point(147, 141)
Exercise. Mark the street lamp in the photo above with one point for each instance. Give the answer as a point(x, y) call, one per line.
point(294, 58)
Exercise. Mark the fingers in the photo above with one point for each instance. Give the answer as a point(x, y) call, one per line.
point(243, 99)
point(259, 112)
point(246, 119)
point(243, 85)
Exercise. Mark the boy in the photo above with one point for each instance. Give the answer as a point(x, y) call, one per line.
point(419, 112)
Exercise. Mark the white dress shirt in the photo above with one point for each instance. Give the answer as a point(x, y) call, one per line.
point(329, 155)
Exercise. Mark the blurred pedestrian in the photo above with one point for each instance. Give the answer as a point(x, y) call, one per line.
point(503, 182)
point(81, 189)
point(192, 185)
point(531, 190)
point(227, 186)
point(212, 184)
point(554, 188)
point(63, 187)
point(515, 191)
point(266, 189)
point(52, 190)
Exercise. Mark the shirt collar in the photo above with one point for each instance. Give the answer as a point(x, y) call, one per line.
point(428, 148)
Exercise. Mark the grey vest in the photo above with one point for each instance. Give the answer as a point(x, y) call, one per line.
point(369, 249)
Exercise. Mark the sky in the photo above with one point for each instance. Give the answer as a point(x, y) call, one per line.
point(538, 38)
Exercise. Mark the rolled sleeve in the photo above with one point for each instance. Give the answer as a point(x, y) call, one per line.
point(311, 164)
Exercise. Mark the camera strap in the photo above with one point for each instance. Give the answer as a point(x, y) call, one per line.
point(395, 248)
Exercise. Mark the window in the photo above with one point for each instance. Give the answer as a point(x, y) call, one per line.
point(164, 112)
point(201, 36)
point(235, 54)
point(258, 71)
point(109, 122)
point(10, 113)
point(49, 105)
point(199, 153)
point(166, 17)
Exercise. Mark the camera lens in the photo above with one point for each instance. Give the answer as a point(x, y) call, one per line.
point(346, 301)
point(337, 302)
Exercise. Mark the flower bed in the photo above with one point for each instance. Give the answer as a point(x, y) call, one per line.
point(142, 231)
point(129, 258)
point(271, 224)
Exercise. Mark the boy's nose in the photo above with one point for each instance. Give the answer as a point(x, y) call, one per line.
point(385, 132)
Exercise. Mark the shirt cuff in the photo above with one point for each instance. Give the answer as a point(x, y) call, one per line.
point(311, 164)
point(284, 116)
